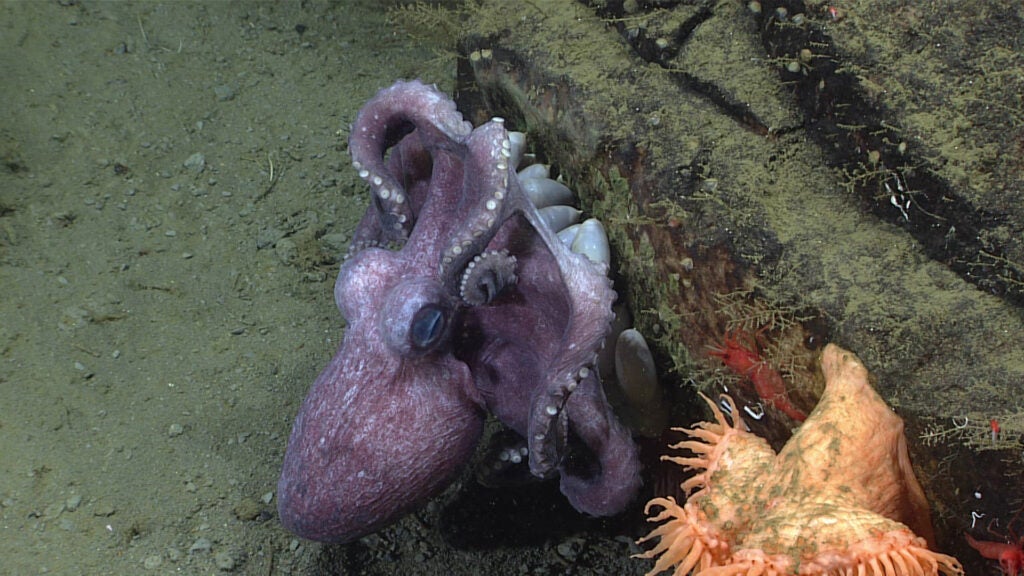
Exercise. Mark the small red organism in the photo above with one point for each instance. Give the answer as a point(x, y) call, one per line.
point(1009, 553)
point(745, 361)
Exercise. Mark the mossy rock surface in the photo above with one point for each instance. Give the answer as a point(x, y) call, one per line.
point(791, 175)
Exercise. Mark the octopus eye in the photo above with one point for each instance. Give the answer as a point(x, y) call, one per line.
point(428, 327)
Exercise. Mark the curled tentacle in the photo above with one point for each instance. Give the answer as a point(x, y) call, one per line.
point(549, 422)
point(613, 478)
point(404, 108)
point(490, 154)
point(549, 429)
point(487, 276)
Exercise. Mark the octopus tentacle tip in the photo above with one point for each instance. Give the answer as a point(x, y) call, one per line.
point(487, 276)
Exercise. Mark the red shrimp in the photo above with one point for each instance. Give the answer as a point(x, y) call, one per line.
point(1010, 552)
point(767, 381)
point(1010, 556)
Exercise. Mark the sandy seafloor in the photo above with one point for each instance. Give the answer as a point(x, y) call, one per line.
point(174, 195)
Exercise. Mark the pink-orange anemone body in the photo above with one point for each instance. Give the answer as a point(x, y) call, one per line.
point(840, 498)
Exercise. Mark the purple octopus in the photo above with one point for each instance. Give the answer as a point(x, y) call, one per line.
point(460, 300)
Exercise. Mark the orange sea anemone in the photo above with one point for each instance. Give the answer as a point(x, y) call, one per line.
point(839, 499)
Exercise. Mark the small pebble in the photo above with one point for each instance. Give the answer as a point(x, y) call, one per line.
point(175, 430)
point(287, 251)
point(195, 162)
point(53, 510)
point(103, 510)
point(247, 509)
point(334, 243)
point(73, 502)
point(174, 554)
point(268, 237)
point(224, 560)
point(201, 545)
point(152, 562)
point(224, 92)
point(570, 549)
